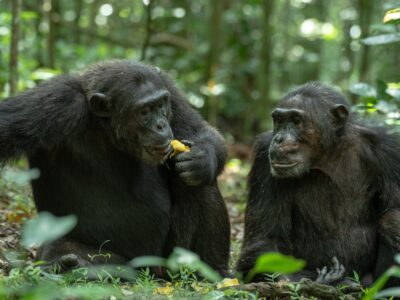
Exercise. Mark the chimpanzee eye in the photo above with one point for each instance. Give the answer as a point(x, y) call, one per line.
point(297, 120)
point(144, 112)
point(277, 120)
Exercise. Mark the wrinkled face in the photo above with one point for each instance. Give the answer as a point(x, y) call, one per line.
point(139, 120)
point(150, 116)
point(296, 142)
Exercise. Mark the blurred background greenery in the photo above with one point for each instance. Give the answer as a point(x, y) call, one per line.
point(233, 59)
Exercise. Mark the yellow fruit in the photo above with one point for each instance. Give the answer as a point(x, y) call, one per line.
point(228, 282)
point(178, 147)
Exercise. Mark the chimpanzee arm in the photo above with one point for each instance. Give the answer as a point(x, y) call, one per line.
point(385, 158)
point(208, 155)
point(267, 219)
point(42, 117)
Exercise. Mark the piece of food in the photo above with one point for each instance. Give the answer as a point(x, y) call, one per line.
point(178, 147)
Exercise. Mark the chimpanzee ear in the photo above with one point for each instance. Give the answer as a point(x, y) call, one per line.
point(340, 113)
point(100, 105)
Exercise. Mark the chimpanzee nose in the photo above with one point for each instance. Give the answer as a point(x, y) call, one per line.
point(162, 130)
point(289, 148)
point(283, 151)
point(161, 126)
point(279, 139)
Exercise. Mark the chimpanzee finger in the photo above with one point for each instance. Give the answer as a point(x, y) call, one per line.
point(187, 143)
point(183, 166)
point(324, 270)
point(336, 264)
point(342, 270)
point(184, 156)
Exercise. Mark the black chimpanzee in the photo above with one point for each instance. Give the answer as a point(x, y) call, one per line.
point(325, 188)
point(99, 140)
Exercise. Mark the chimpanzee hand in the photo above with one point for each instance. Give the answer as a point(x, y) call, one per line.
point(336, 273)
point(198, 166)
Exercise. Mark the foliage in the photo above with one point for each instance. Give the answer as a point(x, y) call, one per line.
point(320, 40)
point(275, 263)
point(46, 228)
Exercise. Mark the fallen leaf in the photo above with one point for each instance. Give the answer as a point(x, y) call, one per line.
point(227, 282)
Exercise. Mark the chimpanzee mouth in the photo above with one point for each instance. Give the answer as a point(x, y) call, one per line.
point(160, 151)
point(284, 164)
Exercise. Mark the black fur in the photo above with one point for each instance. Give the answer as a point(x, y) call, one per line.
point(89, 168)
point(346, 206)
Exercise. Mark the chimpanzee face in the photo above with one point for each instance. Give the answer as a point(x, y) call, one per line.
point(150, 115)
point(138, 120)
point(303, 133)
point(295, 142)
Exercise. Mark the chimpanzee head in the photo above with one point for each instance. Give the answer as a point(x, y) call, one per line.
point(307, 123)
point(133, 104)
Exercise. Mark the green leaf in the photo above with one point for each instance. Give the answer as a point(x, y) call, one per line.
point(182, 257)
point(363, 89)
point(379, 284)
point(382, 39)
point(392, 292)
point(392, 16)
point(46, 228)
point(274, 262)
point(397, 258)
point(213, 295)
point(44, 74)
point(147, 261)
point(394, 90)
point(381, 88)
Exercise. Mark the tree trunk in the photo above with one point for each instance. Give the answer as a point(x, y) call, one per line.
point(16, 10)
point(94, 8)
point(213, 57)
point(365, 7)
point(263, 118)
point(78, 10)
point(52, 11)
point(146, 43)
point(39, 35)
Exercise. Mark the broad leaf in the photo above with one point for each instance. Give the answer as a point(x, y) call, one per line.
point(392, 16)
point(182, 257)
point(363, 89)
point(274, 262)
point(382, 39)
point(46, 228)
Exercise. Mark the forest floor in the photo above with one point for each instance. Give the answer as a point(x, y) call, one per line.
point(24, 280)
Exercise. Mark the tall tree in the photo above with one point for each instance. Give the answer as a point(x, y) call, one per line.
point(51, 10)
point(365, 8)
point(264, 73)
point(78, 9)
point(15, 30)
point(215, 34)
point(146, 43)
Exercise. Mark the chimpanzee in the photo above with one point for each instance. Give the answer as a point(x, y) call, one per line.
point(100, 140)
point(324, 187)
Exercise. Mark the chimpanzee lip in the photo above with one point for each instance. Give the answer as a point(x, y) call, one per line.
point(284, 164)
point(160, 150)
